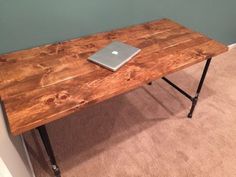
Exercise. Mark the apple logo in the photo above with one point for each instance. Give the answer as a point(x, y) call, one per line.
point(115, 52)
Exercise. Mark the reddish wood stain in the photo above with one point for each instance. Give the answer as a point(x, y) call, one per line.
point(46, 83)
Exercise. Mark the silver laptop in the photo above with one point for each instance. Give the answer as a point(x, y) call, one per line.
point(114, 55)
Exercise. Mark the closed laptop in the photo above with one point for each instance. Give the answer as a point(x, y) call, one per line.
point(114, 55)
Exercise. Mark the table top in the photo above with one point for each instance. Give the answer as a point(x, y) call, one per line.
point(46, 83)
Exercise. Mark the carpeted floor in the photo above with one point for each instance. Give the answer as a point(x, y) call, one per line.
point(145, 133)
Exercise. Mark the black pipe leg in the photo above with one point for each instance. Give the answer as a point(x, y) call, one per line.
point(194, 103)
point(195, 99)
point(45, 139)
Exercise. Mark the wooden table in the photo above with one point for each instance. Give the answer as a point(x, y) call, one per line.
point(46, 83)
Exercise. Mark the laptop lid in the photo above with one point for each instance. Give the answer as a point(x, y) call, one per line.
point(114, 55)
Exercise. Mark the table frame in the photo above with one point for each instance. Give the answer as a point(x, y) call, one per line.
point(194, 99)
point(48, 147)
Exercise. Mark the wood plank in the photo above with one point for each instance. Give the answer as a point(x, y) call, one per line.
point(74, 53)
point(68, 68)
point(46, 83)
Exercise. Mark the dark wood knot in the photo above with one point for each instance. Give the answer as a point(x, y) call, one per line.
point(3, 59)
point(50, 100)
point(62, 96)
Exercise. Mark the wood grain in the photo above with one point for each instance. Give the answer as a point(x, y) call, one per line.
point(46, 83)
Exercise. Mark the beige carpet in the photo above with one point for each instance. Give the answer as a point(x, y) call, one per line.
point(145, 133)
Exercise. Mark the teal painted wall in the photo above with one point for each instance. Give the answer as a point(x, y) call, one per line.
point(28, 23)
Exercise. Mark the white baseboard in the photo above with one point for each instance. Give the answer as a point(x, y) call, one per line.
point(232, 46)
point(27, 156)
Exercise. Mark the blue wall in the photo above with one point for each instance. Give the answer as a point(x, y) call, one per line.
point(28, 23)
